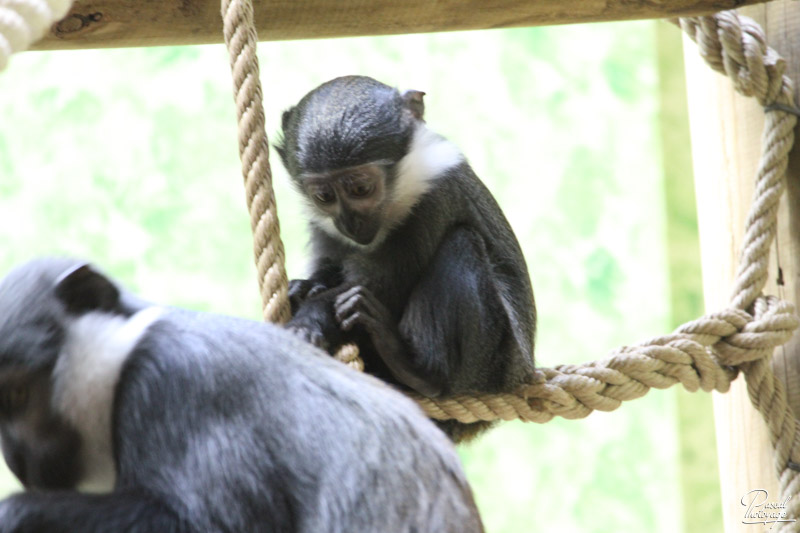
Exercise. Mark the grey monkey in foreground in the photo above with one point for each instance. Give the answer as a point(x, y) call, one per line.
point(412, 258)
point(122, 416)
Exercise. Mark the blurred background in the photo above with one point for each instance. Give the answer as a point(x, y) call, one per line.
point(129, 158)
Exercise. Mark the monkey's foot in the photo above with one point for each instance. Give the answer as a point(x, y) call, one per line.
point(313, 337)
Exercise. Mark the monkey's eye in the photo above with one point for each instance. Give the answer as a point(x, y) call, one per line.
point(321, 193)
point(324, 196)
point(360, 190)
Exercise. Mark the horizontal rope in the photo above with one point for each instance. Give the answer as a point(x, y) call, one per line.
point(699, 355)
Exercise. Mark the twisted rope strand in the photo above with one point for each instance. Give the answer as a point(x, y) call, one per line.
point(240, 38)
point(699, 355)
point(757, 70)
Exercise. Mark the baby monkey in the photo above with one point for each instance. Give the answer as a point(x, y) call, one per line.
point(412, 258)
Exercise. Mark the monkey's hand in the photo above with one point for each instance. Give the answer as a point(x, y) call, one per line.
point(313, 320)
point(357, 306)
point(302, 289)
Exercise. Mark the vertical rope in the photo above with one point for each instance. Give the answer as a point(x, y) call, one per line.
point(240, 38)
point(736, 46)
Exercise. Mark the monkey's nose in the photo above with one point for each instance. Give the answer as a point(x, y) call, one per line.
point(358, 228)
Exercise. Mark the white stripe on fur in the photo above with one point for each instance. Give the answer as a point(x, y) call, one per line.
point(85, 378)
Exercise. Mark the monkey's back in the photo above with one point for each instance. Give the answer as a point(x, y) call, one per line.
point(250, 425)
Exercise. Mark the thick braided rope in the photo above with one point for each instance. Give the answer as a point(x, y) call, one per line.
point(700, 355)
point(240, 38)
point(736, 46)
point(23, 22)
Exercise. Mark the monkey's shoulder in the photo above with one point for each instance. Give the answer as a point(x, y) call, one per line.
point(246, 356)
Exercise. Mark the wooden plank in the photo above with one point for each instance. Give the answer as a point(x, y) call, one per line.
point(726, 143)
point(120, 23)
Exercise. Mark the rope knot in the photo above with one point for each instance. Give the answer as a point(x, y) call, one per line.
point(771, 324)
point(735, 45)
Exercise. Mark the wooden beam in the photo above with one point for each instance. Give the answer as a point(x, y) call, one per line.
point(726, 145)
point(120, 23)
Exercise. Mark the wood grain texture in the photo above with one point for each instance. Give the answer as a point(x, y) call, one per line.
point(726, 144)
point(120, 23)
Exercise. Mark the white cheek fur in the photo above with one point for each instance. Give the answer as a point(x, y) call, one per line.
point(85, 378)
point(430, 156)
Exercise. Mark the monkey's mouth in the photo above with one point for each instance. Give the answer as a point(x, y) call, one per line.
point(361, 232)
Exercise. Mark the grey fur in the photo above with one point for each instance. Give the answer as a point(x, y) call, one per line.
point(220, 424)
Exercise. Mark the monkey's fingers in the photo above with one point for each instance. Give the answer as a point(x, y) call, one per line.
point(359, 306)
point(349, 293)
point(347, 323)
point(316, 289)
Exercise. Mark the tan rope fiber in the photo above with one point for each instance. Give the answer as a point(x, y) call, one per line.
point(706, 353)
point(700, 355)
point(757, 70)
point(240, 38)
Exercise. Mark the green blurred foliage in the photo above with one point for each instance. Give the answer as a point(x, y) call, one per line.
point(129, 158)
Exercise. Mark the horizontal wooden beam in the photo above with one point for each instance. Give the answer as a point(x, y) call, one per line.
point(120, 23)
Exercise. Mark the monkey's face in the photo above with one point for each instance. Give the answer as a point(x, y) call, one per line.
point(40, 448)
point(350, 199)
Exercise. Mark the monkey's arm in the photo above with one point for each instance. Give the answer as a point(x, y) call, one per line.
point(71, 512)
point(454, 329)
point(358, 305)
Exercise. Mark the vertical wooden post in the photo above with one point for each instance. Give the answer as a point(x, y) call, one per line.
point(726, 146)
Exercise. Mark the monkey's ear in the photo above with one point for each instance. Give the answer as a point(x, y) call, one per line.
point(280, 145)
point(83, 289)
point(415, 103)
point(286, 116)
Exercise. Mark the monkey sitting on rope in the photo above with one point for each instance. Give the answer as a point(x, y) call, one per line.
point(412, 258)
